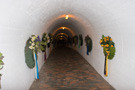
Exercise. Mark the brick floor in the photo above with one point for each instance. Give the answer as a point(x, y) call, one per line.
point(65, 69)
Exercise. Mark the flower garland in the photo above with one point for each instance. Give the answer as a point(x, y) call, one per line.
point(88, 41)
point(50, 40)
point(108, 46)
point(80, 43)
point(29, 57)
point(108, 49)
point(70, 40)
point(1, 62)
point(33, 46)
point(75, 40)
point(1, 65)
point(36, 44)
point(45, 39)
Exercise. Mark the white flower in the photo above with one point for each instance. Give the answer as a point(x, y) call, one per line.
point(33, 44)
point(31, 47)
point(36, 45)
point(33, 38)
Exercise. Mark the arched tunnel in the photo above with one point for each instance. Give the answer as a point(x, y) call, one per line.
point(19, 19)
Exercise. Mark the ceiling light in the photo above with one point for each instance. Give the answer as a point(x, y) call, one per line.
point(66, 17)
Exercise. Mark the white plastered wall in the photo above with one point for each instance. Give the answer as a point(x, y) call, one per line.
point(19, 19)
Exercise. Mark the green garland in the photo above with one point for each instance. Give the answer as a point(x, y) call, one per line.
point(50, 40)
point(108, 46)
point(45, 39)
point(33, 45)
point(1, 62)
point(80, 43)
point(88, 41)
point(29, 58)
point(75, 40)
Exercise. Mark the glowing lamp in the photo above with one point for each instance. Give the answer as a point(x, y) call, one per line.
point(66, 17)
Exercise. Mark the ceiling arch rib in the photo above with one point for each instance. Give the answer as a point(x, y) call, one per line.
point(58, 38)
point(62, 34)
point(64, 29)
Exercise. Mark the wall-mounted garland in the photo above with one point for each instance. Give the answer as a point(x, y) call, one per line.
point(108, 49)
point(1, 62)
point(45, 40)
point(80, 41)
point(33, 46)
point(88, 41)
point(75, 40)
point(70, 40)
point(1, 65)
point(29, 57)
point(50, 40)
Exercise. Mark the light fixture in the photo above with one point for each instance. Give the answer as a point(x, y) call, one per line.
point(63, 28)
point(61, 38)
point(66, 17)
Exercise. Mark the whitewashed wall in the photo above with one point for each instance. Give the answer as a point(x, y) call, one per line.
point(19, 19)
point(16, 26)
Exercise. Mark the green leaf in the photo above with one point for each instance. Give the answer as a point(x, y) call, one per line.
point(112, 53)
point(1, 62)
point(41, 47)
point(103, 36)
point(0, 54)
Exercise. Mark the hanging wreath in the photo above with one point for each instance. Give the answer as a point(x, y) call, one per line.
point(1, 62)
point(50, 40)
point(80, 43)
point(75, 40)
point(108, 46)
point(45, 40)
point(88, 41)
point(70, 40)
point(108, 50)
point(29, 58)
point(54, 42)
point(33, 46)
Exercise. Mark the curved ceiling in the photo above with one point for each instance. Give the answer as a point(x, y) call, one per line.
point(19, 19)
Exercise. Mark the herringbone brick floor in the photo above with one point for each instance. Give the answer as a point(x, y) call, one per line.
point(65, 69)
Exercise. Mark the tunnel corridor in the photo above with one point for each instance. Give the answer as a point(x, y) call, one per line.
point(65, 69)
point(90, 40)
